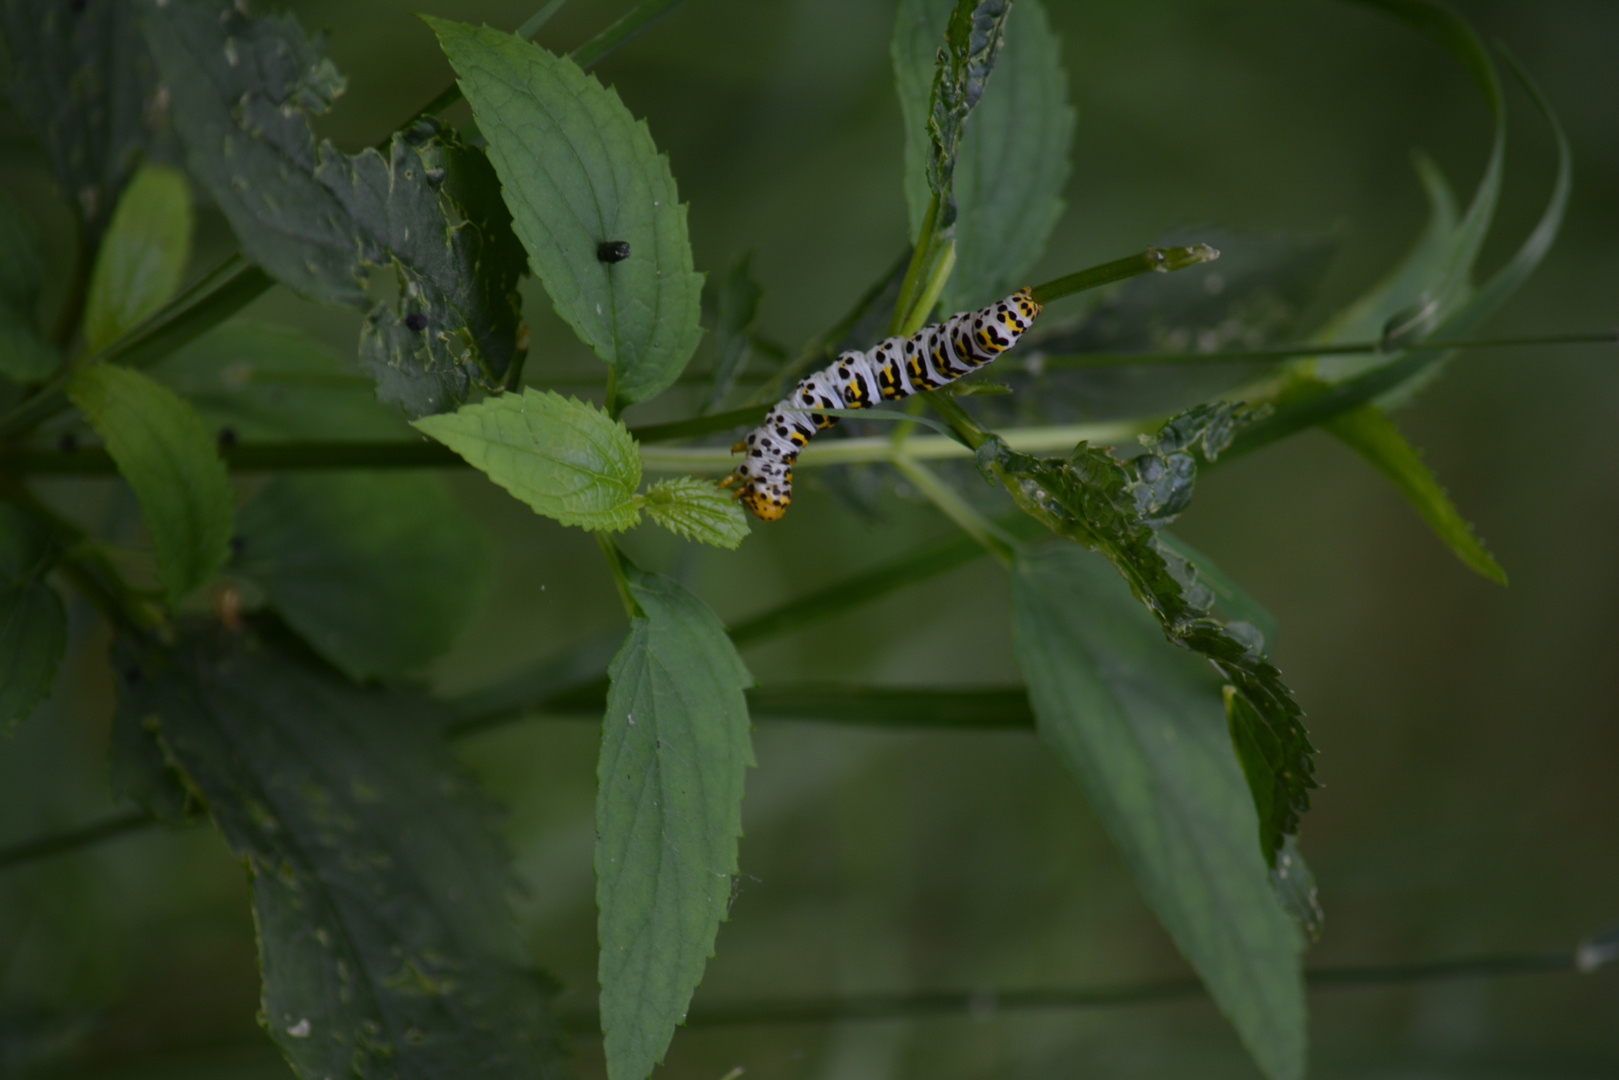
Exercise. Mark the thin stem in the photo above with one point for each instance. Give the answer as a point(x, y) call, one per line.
point(84, 566)
point(639, 20)
point(60, 843)
point(78, 291)
point(615, 564)
point(987, 1003)
point(1153, 260)
point(1284, 352)
point(954, 507)
point(913, 273)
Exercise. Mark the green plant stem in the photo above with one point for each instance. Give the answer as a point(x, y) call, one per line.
point(615, 564)
point(82, 564)
point(954, 507)
point(78, 291)
point(914, 272)
point(1153, 260)
point(298, 456)
point(44, 847)
point(1285, 352)
point(988, 1003)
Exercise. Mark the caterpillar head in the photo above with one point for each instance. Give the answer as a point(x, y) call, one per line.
point(764, 505)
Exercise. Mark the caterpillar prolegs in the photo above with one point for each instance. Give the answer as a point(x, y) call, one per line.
point(893, 369)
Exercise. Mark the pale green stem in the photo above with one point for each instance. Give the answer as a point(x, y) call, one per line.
point(1030, 440)
point(954, 507)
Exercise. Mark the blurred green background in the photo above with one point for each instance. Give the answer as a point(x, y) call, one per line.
point(1468, 733)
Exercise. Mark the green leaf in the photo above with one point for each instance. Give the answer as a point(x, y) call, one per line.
point(565, 458)
point(1375, 438)
point(1138, 723)
point(24, 355)
point(738, 305)
point(82, 80)
point(1115, 508)
point(668, 813)
point(1294, 885)
point(318, 221)
point(1233, 599)
point(973, 38)
point(1013, 159)
point(33, 623)
point(696, 509)
point(142, 256)
point(578, 171)
point(379, 889)
point(1405, 371)
point(379, 572)
point(162, 449)
point(270, 383)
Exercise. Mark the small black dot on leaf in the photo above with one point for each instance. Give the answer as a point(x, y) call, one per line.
point(227, 436)
point(132, 674)
point(237, 545)
point(68, 443)
point(416, 322)
point(613, 251)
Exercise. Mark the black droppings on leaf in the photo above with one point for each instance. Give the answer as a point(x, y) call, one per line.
point(67, 442)
point(613, 251)
point(416, 322)
point(227, 436)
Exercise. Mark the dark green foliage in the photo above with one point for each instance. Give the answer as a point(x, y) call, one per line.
point(1138, 723)
point(244, 92)
point(379, 891)
point(33, 625)
point(1116, 508)
point(24, 355)
point(83, 83)
point(379, 572)
point(668, 814)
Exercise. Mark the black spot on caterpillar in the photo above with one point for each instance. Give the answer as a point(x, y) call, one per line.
point(891, 370)
point(613, 251)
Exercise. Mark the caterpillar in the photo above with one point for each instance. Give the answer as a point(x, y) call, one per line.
point(894, 368)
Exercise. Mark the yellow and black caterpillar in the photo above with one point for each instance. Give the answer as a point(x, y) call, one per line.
point(894, 368)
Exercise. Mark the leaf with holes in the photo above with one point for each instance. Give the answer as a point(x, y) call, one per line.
point(162, 449)
point(379, 888)
point(244, 91)
point(566, 459)
point(579, 171)
point(668, 813)
point(1013, 158)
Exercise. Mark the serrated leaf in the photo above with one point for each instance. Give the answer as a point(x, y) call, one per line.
point(83, 82)
point(1374, 437)
point(973, 36)
point(162, 449)
point(1138, 723)
point(268, 383)
point(1294, 885)
point(33, 623)
point(24, 355)
point(737, 311)
point(1013, 158)
point(668, 813)
point(379, 572)
point(143, 255)
point(578, 170)
point(379, 889)
point(1115, 508)
point(697, 510)
point(244, 91)
point(563, 457)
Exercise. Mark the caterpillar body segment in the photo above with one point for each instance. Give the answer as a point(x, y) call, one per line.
point(893, 369)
